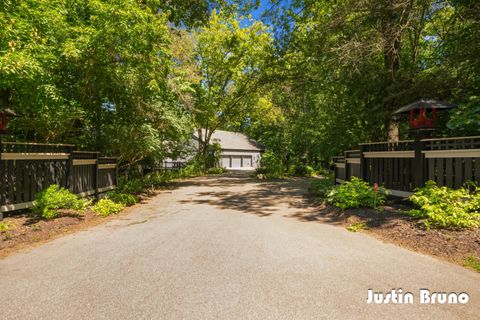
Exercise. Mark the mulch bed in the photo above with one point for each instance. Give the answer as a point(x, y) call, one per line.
point(390, 225)
point(26, 230)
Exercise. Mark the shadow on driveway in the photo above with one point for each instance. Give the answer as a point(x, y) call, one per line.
point(249, 195)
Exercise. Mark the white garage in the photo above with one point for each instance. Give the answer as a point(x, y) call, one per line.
point(237, 161)
point(238, 151)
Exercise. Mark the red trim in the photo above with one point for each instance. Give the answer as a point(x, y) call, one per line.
point(422, 121)
point(3, 125)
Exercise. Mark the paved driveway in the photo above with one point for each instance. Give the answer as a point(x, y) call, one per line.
point(224, 248)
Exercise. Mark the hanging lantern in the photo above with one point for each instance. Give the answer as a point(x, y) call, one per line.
point(423, 113)
point(6, 115)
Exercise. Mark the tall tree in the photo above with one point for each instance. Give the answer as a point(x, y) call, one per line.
point(231, 60)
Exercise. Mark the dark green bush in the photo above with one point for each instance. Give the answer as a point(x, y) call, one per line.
point(49, 201)
point(123, 198)
point(442, 207)
point(356, 194)
point(133, 186)
point(271, 166)
point(301, 170)
point(321, 187)
point(157, 179)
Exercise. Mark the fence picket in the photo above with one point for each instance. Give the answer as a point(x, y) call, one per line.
point(26, 169)
point(403, 166)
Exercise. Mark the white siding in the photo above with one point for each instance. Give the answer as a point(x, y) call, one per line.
point(240, 159)
point(236, 161)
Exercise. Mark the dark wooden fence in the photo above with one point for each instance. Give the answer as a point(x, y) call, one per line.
point(165, 166)
point(28, 168)
point(402, 166)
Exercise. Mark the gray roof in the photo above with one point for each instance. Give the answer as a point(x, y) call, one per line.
point(234, 141)
point(427, 104)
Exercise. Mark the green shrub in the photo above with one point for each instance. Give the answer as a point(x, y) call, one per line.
point(356, 194)
point(49, 201)
point(157, 179)
point(133, 186)
point(357, 226)
point(321, 187)
point(191, 170)
point(442, 207)
point(6, 226)
point(106, 207)
point(271, 166)
point(123, 198)
point(218, 170)
point(301, 170)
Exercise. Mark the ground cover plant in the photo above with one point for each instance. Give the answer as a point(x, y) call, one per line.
point(442, 207)
point(123, 198)
point(472, 262)
point(320, 188)
point(49, 201)
point(107, 207)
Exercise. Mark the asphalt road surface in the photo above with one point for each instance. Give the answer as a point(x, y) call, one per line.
point(225, 248)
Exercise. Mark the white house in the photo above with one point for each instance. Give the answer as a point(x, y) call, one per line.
point(239, 152)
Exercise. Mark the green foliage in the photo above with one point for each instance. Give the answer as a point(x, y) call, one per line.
point(6, 226)
point(356, 194)
point(106, 207)
point(442, 207)
point(301, 170)
point(95, 73)
point(472, 262)
point(357, 226)
point(158, 179)
point(123, 198)
point(133, 186)
point(342, 67)
point(192, 170)
point(49, 201)
point(271, 165)
point(466, 119)
point(231, 58)
point(217, 170)
point(321, 187)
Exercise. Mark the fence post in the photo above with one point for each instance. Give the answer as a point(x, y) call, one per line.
point(95, 176)
point(418, 164)
point(116, 172)
point(363, 164)
point(1, 178)
point(334, 171)
point(69, 170)
point(346, 176)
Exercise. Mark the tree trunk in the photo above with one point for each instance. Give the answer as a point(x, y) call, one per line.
point(4, 98)
point(393, 130)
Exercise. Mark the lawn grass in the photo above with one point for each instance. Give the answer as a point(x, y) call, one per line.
point(472, 262)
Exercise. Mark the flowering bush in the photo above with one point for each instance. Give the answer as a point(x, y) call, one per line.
point(357, 194)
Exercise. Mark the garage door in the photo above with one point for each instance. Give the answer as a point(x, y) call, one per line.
point(247, 161)
point(236, 161)
point(226, 162)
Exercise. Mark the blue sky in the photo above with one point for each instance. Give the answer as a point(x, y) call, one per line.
point(266, 5)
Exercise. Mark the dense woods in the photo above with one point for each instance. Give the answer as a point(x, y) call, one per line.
point(308, 80)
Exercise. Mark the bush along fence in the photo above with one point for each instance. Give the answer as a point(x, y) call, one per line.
point(405, 165)
point(28, 168)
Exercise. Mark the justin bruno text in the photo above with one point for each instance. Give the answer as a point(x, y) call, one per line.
point(425, 296)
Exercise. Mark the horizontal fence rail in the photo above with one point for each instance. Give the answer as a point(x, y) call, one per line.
point(28, 168)
point(402, 166)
